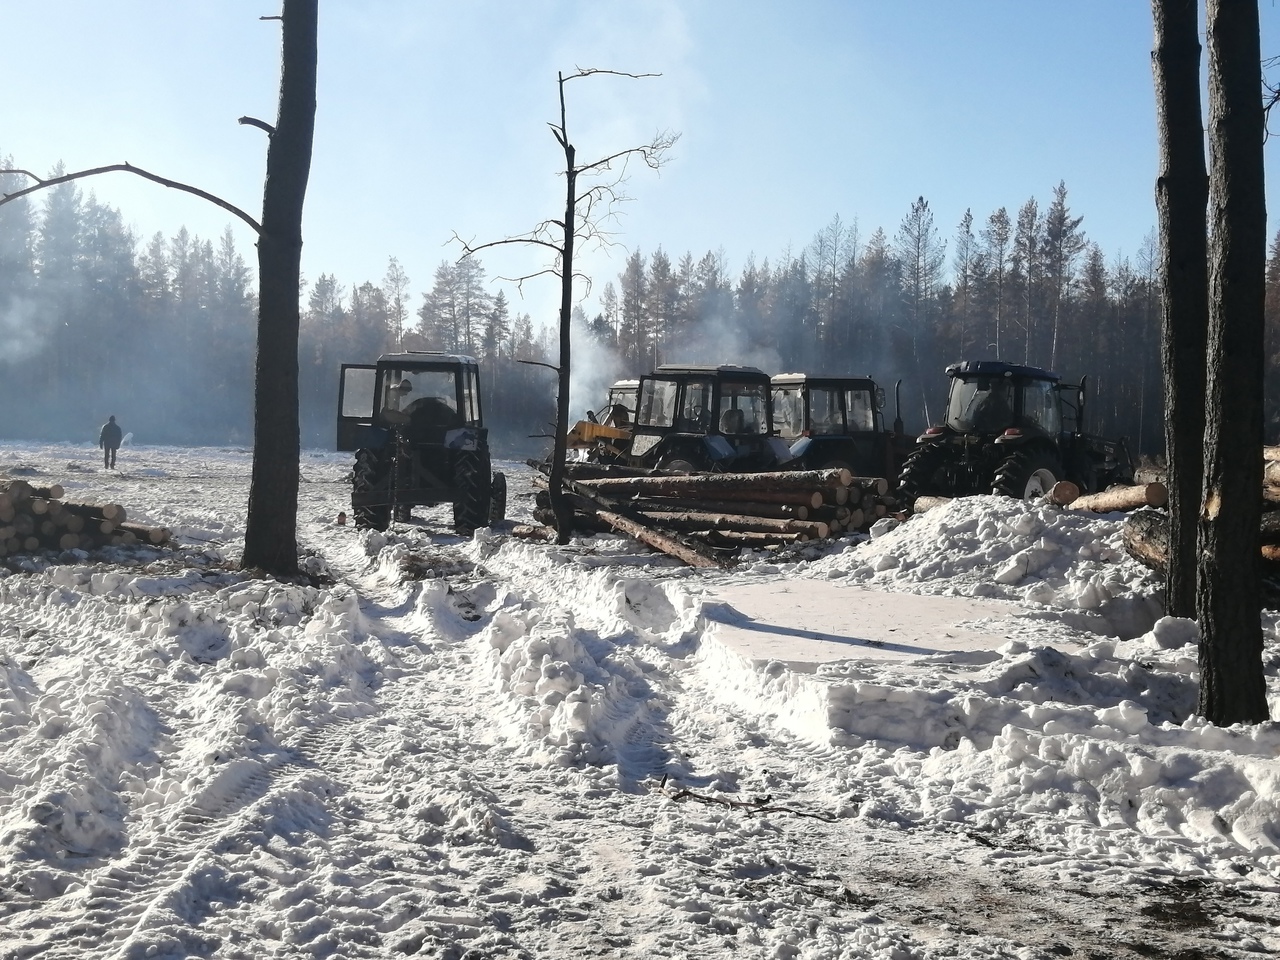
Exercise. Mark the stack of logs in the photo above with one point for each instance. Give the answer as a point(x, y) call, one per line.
point(733, 509)
point(37, 518)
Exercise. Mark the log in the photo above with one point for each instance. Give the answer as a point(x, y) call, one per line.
point(1269, 527)
point(727, 538)
point(1124, 498)
point(52, 492)
point(653, 538)
point(723, 521)
point(7, 513)
point(531, 531)
point(779, 511)
point(877, 486)
point(69, 541)
point(715, 486)
point(154, 535)
point(1063, 493)
point(1146, 538)
point(18, 491)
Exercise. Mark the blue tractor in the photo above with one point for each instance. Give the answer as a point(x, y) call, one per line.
point(415, 425)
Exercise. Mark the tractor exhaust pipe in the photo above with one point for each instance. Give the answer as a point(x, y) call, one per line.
point(897, 403)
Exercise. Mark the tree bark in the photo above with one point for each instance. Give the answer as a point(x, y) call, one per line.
point(1232, 683)
point(1182, 190)
point(271, 541)
point(563, 512)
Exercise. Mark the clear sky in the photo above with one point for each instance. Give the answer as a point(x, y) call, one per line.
point(433, 118)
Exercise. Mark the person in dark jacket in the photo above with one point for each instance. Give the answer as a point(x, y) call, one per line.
point(109, 440)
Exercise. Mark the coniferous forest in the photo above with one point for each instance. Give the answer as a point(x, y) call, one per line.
point(160, 331)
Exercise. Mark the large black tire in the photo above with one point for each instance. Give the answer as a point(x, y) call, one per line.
point(372, 472)
point(922, 475)
point(472, 491)
point(1026, 474)
point(498, 499)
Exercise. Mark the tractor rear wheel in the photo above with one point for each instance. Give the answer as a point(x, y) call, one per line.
point(922, 474)
point(371, 474)
point(472, 494)
point(498, 499)
point(1026, 475)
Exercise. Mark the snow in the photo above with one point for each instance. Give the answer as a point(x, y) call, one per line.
point(970, 736)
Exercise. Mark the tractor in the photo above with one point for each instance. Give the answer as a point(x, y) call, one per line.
point(605, 436)
point(415, 425)
point(1012, 430)
point(705, 418)
point(837, 422)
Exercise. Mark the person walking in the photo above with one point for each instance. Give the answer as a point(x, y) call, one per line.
point(109, 440)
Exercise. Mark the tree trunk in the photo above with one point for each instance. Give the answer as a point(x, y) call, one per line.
point(563, 512)
point(1181, 199)
point(270, 540)
point(1232, 684)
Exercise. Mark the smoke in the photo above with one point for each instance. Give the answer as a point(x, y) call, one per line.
point(716, 340)
point(595, 366)
point(22, 330)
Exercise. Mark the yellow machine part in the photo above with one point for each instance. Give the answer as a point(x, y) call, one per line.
point(584, 433)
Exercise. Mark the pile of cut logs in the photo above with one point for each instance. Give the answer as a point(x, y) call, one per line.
point(37, 518)
point(725, 510)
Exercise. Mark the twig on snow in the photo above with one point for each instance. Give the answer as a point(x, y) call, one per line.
point(759, 805)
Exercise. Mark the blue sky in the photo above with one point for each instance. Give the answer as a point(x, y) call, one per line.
point(433, 118)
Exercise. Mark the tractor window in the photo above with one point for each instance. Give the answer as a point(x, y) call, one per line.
point(1040, 406)
point(657, 403)
point(860, 407)
point(358, 392)
point(429, 396)
point(825, 415)
point(624, 397)
point(695, 407)
point(471, 396)
point(744, 408)
point(788, 412)
point(981, 405)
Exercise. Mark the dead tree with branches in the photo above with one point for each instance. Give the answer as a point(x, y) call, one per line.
point(592, 192)
point(271, 528)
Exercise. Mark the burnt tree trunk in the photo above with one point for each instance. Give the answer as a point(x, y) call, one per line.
point(1182, 192)
point(562, 510)
point(270, 540)
point(1232, 685)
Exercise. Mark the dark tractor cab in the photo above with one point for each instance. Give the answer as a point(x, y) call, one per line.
point(837, 422)
point(1013, 430)
point(699, 418)
point(415, 424)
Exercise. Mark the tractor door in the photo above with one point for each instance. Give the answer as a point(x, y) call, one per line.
point(357, 391)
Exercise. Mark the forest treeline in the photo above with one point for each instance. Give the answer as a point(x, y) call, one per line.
point(160, 332)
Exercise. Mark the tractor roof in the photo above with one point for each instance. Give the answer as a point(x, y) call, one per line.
point(426, 358)
point(823, 380)
point(998, 368)
point(711, 370)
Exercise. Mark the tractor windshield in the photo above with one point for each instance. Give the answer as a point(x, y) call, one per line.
point(788, 412)
point(429, 397)
point(980, 405)
point(744, 408)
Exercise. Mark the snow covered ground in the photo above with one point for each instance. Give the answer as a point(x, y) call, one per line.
point(492, 748)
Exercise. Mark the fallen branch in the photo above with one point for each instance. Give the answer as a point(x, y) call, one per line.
point(760, 805)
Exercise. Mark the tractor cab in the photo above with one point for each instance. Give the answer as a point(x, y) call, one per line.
point(836, 422)
point(989, 398)
point(706, 418)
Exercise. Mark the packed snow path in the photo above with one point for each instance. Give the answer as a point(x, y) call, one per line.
point(494, 749)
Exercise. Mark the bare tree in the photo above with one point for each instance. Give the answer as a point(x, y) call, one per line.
point(1182, 196)
point(592, 191)
point(1232, 681)
point(271, 529)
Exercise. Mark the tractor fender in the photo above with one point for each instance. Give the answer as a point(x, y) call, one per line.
point(369, 437)
point(781, 452)
point(464, 438)
point(718, 448)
